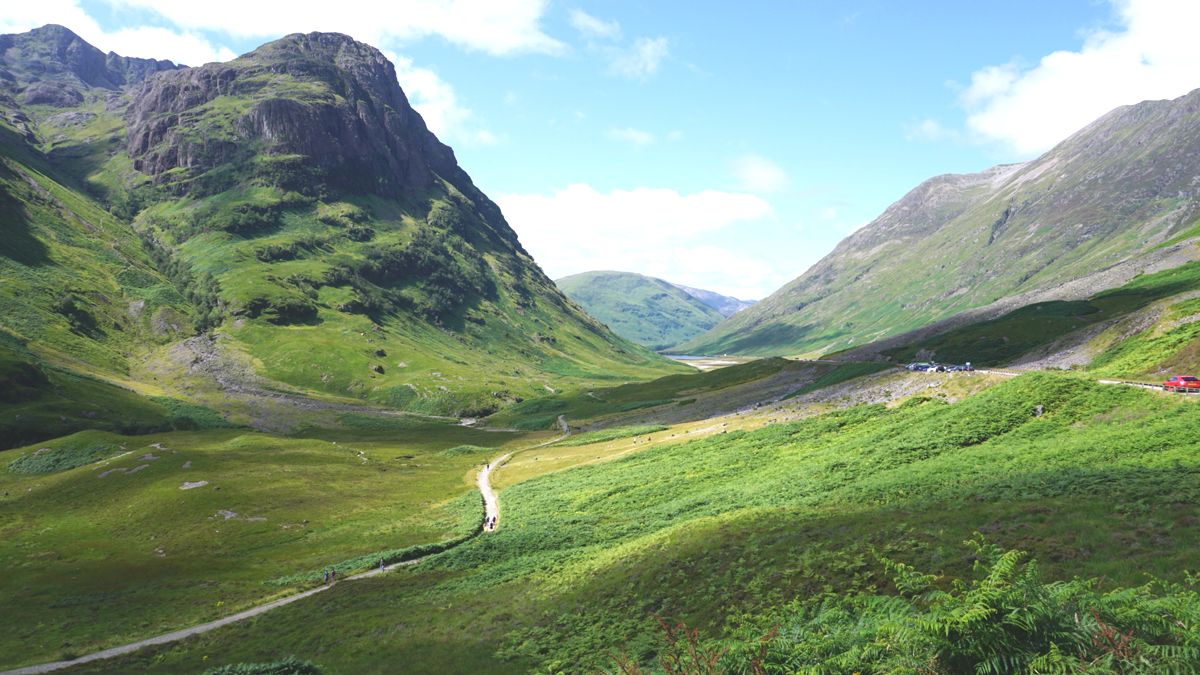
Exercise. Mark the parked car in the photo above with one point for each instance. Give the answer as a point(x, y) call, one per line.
point(1182, 383)
point(918, 367)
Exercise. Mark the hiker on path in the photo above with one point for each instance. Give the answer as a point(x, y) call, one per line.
point(333, 576)
point(381, 567)
point(326, 577)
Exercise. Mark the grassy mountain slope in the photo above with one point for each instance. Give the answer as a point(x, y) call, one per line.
point(290, 201)
point(1146, 329)
point(1113, 200)
point(648, 311)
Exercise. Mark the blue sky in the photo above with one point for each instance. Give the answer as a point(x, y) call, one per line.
point(720, 146)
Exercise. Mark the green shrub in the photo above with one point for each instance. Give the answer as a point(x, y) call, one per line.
point(66, 454)
point(288, 666)
point(1005, 619)
point(467, 450)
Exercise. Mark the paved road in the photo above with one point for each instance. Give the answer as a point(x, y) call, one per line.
point(491, 510)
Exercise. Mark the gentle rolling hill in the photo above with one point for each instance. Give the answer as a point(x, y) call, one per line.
point(651, 312)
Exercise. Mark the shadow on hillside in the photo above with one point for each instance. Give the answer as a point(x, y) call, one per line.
point(17, 242)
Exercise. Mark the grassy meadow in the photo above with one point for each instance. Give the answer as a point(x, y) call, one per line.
point(731, 530)
point(108, 538)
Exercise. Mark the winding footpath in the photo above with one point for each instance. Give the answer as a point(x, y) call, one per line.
point(491, 509)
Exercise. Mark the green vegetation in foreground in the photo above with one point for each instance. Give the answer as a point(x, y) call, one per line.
point(1003, 339)
point(645, 310)
point(1003, 619)
point(541, 413)
point(164, 531)
point(749, 529)
point(288, 666)
point(842, 373)
point(612, 434)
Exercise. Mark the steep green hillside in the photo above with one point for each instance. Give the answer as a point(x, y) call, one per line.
point(289, 201)
point(1149, 329)
point(1113, 200)
point(789, 525)
point(648, 311)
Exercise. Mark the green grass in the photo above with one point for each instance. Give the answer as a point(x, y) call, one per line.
point(67, 453)
point(102, 546)
point(541, 412)
point(842, 373)
point(1001, 340)
point(709, 530)
point(612, 434)
point(469, 451)
point(40, 402)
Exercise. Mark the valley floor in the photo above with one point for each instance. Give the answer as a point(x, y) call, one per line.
point(770, 491)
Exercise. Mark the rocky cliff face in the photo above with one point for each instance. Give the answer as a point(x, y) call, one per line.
point(1118, 195)
point(320, 100)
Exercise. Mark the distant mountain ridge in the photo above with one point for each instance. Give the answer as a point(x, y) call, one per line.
point(725, 304)
point(1118, 198)
point(649, 311)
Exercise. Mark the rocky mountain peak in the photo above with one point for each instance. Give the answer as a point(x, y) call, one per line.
point(54, 66)
point(316, 102)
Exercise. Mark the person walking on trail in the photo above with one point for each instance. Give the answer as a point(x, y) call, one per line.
point(381, 567)
point(326, 577)
point(333, 576)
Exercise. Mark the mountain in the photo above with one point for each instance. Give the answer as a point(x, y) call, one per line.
point(291, 206)
point(648, 311)
point(726, 305)
point(1116, 199)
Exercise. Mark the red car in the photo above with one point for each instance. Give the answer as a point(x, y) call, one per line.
point(1183, 383)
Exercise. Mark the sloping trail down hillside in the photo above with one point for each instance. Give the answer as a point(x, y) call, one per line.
point(491, 504)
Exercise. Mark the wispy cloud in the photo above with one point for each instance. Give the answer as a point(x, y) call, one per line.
point(755, 173)
point(930, 129)
point(642, 59)
point(637, 137)
point(593, 28)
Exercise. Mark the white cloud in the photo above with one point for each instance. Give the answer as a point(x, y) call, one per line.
point(499, 27)
point(161, 43)
point(930, 130)
point(675, 135)
point(594, 28)
point(642, 59)
point(144, 41)
point(755, 173)
point(637, 137)
point(659, 232)
point(1153, 55)
point(435, 99)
